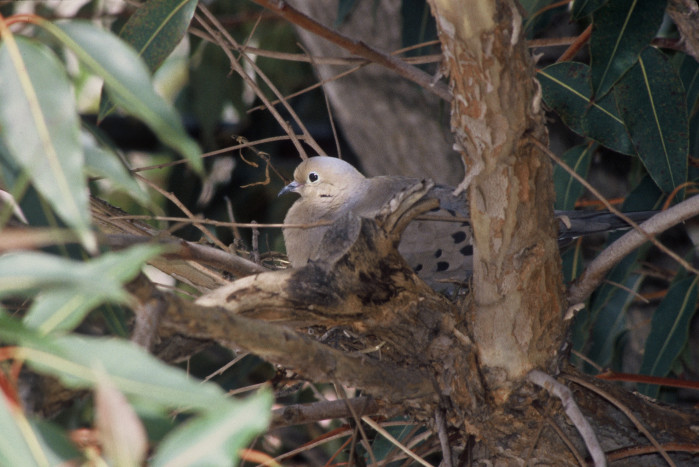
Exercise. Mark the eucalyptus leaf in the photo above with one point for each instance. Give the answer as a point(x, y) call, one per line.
point(154, 31)
point(669, 331)
point(39, 127)
point(216, 437)
point(127, 80)
point(652, 102)
point(566, 89)
point(621, 29)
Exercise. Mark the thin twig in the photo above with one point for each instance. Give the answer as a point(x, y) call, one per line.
point(244, 225)
point(343, 395)
point(231, 219)
point(173, 199)
point(225, 150)
point(612, 255)
point(322, 410)
point(394, 441)
point(443, 437)
point(313, 86)
point(578, 44)
point(360, 63)
point(225, 367)
point(202, 254)
point(357, 47)
point(626, 411)
point(571, 408)
point(566, 440)
point(243, 74)
point(335, 61)
point(595, 271)
point(331, 120)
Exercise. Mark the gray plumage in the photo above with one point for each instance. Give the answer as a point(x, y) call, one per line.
point(439, 251)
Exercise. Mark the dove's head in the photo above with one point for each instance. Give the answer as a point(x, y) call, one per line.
point(325, 181)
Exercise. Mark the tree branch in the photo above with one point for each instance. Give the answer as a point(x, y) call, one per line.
point(595, 271)
point(358, 48)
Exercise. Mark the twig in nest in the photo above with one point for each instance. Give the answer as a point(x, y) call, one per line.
point(617, 403)
point(559, 390)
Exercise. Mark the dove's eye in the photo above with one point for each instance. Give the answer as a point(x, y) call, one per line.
point(313, 177)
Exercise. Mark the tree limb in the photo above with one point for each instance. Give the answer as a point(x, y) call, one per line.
point(595, 271)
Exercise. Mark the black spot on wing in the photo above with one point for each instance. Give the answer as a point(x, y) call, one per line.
point(438, 253)
point(442, 266)
point(458, 236)
point(467, 250)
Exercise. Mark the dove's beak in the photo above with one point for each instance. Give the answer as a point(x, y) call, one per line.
point(293, 186)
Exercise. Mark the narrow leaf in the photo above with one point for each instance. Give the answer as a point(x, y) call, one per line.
point(154, 31)
point(566, 90)
point(19, 444)
point(689, 74)
point(122, 435)
point(73, 360)
point(215, 438)
point(568, 189)
point(669, 331)
point(651, 100)
point(69, 289)
point(583, 8)
point(127, 80)
point(610, 321)
point(621, 29)
point(101, 162)
point(39, 127)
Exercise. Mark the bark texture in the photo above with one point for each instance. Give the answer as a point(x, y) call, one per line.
point(518, 293)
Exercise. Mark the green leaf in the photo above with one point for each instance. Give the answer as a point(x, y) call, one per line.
point(58, 447)
point(689, 74)
point(568, 189)
point(136, 373)
point(383, 447)
point(566, 90)
point(100, 162)
point(29, 442)
point(69, 289)
point(18, 444)
point(154, 31)
point(621, 29)
point(610, 321)
point(216, 437)
point(669, 331)
point(572, 262)
point(651, 100)
point(39, 127)
point(211, 87)
point(583, 8)
point(127, 80)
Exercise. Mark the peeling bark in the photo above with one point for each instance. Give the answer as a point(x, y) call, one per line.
point(518, 292)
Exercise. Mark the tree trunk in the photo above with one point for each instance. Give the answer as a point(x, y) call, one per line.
point(518, 292)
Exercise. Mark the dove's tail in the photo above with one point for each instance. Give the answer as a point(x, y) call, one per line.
point(573, 224)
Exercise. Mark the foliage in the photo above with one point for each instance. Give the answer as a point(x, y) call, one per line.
point(46, 152)
point(629, 101)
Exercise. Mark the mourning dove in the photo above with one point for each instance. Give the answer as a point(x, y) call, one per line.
point(438, 251)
